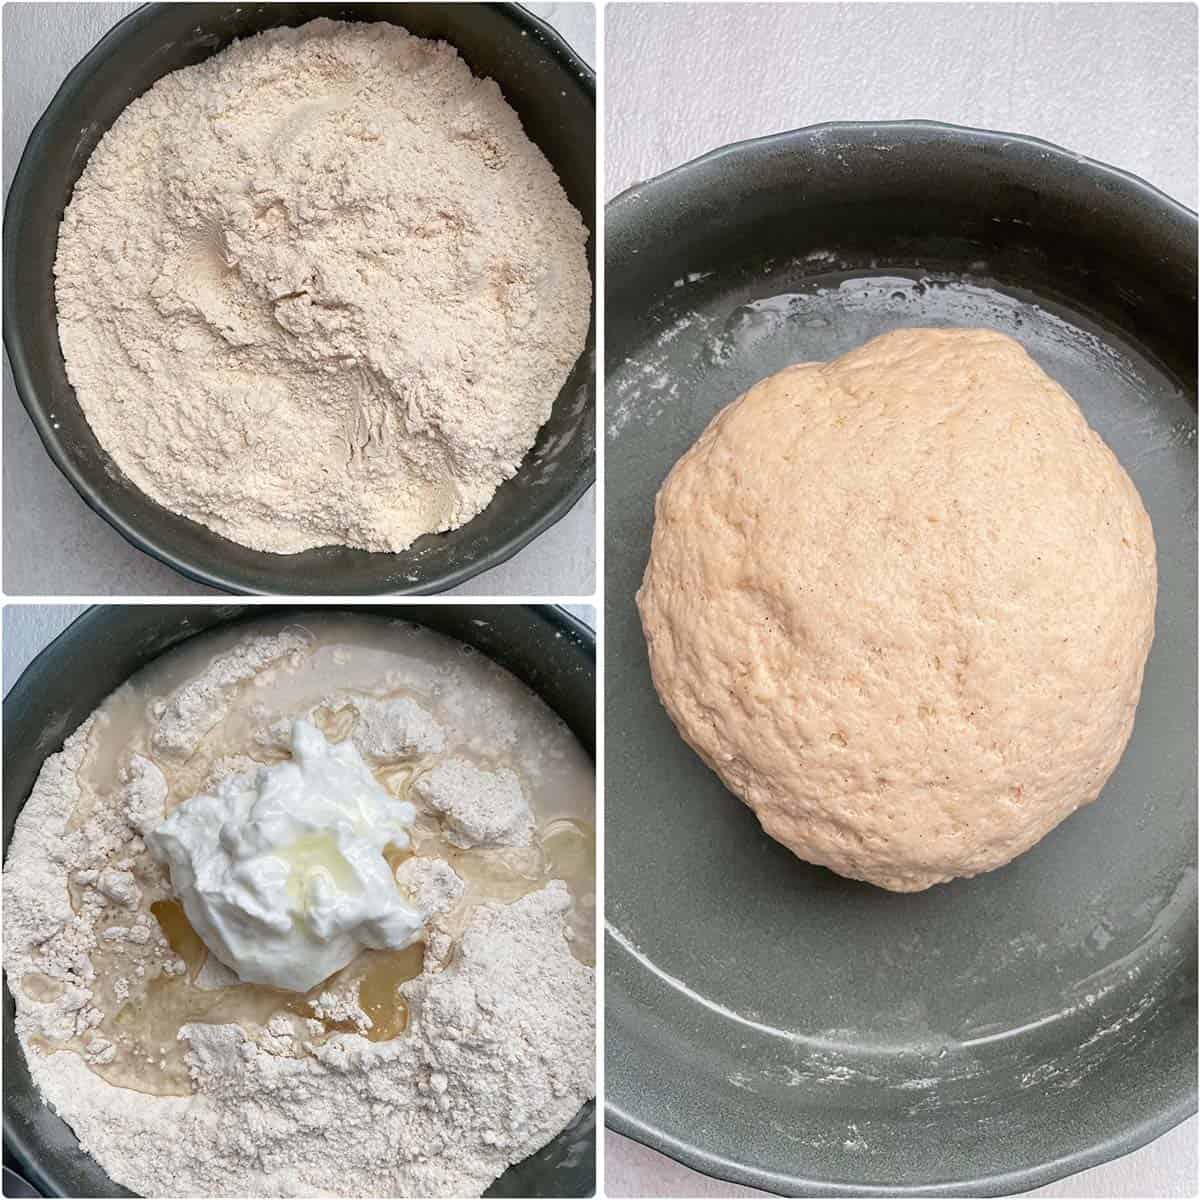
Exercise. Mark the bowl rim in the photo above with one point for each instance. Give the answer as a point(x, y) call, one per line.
point(213, 574)
point(1000, 1183)
point(623, 208)
point(620, 203)
point(553, 614)
point(25, 1162)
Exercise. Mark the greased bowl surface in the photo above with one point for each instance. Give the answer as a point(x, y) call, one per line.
point(768, 1022)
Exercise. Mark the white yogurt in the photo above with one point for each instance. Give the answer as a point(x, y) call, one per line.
point(282, 873)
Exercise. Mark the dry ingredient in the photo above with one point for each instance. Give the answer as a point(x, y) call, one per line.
point(480, 808)
point(417, 1072)
point(321, 289)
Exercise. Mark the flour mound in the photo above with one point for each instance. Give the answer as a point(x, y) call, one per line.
point(144, 795)
point(202, 703)
point(901, 603)
point(432, 884)
point(320, 289)
point(484, 809)
point(388, 729)
point(490, 1069)
point(49, 943)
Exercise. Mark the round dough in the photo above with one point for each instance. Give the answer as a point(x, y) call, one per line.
point(901, 603)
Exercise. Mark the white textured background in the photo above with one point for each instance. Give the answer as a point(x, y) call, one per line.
point(53, 543)
point(1114, 81)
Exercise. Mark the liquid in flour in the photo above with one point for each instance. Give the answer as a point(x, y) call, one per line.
point(488, 717)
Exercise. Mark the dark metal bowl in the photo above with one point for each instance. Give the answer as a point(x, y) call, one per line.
point(552, 90)
point(545, 647)
point(768, 1022)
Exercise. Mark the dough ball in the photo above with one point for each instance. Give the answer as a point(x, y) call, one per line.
point(901, 603)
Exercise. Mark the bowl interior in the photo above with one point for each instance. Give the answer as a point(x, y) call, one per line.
point(544, 647)
point(551, 90)
point(768, 1021)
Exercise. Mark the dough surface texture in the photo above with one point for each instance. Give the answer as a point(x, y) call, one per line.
point(901, 604)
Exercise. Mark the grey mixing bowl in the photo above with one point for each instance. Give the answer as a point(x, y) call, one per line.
point(545, 647)
point(552, 90)
point(767, 1021)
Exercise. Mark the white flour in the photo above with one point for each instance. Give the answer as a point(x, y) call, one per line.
point(496, 1059)
point(199, 706)
point(480, 808)
point(321, 288)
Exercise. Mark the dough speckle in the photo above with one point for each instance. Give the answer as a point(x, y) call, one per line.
point(901, 603)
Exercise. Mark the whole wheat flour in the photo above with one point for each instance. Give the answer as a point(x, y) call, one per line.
point(480, 808)
point(321, 288)
point(496, 1058)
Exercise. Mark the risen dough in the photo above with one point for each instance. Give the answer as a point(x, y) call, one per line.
point(901, 602)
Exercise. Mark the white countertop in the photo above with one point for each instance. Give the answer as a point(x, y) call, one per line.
point(53, 543)
point(1116, 82)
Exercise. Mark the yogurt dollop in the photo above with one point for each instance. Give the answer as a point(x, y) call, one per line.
point(282, 873)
